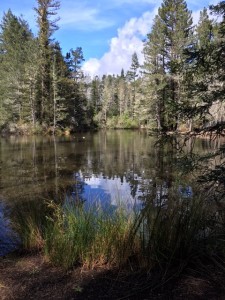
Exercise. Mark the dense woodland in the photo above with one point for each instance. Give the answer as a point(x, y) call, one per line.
point(180, 86)
point(174, 238)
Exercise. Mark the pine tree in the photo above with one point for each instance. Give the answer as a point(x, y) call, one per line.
point(74, 60)
point(122, 94)
point(216, 87)
point(204, 30)
point(165, 60)
point(178, 32)
point(45, 9)
point(31, 72)
point(95, 94)
point(132, 77)
point(59, 86)
point(15, 41)
point(155, 79)
point(106, 98)
point(198, 74)
point(77, 106)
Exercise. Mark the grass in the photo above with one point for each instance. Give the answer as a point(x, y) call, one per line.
point(71, 234)
point(171, 237)
point(29, 221)
point(88, 236)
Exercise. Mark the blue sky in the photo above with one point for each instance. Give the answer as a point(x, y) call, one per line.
point(109, 31)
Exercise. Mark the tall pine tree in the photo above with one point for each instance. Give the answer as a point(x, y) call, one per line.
point(45, 10)
point(165, 60)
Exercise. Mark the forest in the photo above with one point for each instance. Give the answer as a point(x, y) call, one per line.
point(179, 87)
point(113, 214)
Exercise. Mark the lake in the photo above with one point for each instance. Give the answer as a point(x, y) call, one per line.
point(110, 167)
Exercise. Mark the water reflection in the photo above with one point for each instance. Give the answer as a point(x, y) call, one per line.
point(8, 239)
point(108, 166)
point(112, 164)
point(106, 191)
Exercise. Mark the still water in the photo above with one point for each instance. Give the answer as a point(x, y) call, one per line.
point(107, 163)
point(107, 166)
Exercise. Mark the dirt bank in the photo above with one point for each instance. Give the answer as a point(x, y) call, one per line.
point(29, 276)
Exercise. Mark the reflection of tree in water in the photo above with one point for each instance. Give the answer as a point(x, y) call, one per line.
point(174, 161)
point(149, 168)
point(133, 179)
point(163, 175)
point(78, 188)
point(212, 179)
point(34, 165)
point(75, 192)
point(191, 159)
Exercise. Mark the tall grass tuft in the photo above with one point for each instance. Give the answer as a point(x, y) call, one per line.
point(29, 221)
point(174, 236)
point(88, 236)
point(160, 236)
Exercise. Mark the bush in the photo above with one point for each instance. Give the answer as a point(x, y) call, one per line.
point(122, 122)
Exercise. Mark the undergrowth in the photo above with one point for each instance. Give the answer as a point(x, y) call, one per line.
point(182, 232)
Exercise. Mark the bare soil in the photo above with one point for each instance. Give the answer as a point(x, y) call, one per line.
point(29, 276)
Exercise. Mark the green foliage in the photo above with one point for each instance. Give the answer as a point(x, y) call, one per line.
point(15, 40)
point(72, 234)
point(90, 237)
point(185, 231)
point(74, 59)
point(173, 234)
point(36, 83)
point(29, 222)
point(122, 122)
point(182, 79)
point(165, 61)
point(45, 9)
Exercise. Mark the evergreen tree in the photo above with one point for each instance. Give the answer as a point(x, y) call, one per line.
point(204, 30)
point(198, 75)
point(15, 41)
point(95, 94)
point(59, 86)
point(122, 94)
point(214, 102)
point(177, 26)
point(207, 72)
point(132, 76)
point(155, 80)
point(45, 9)
point(31, 79)
point(172, 35)
point(77, 109)
point(106, 98)
point(74, 60)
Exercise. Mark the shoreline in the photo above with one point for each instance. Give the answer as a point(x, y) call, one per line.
point(29, 276)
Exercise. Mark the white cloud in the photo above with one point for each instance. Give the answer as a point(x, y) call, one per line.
point(195, 16)
point(92, 66)
point(128, 40)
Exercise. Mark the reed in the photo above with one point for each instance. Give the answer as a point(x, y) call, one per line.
point(90, 236)
point(163, 237)
point(29, 221)
point(184, 233)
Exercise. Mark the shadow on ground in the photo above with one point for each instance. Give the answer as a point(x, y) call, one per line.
point(30, 277)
